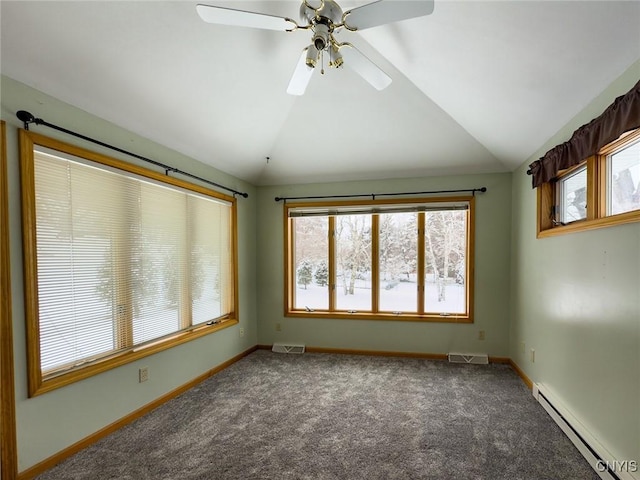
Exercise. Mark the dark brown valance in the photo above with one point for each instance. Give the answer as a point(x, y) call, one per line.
point(619, 117)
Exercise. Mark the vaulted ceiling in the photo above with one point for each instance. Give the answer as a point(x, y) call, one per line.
point(477, 86)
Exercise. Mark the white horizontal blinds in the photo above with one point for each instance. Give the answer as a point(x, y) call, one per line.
point(311, 211)
point(211, 258)
point(122, 260)
point(78, 219)
point(158, 262)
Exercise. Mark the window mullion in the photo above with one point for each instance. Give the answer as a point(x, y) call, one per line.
point(186, 285)
point(421, 265)
point(600, 191)
point(124, 305)
point(331, 231)
point(375, 263)
point(121, 263)
point(595, 202)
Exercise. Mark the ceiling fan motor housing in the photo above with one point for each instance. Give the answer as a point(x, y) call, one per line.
point(329, 10)
point(321, 20)
point(320, 35)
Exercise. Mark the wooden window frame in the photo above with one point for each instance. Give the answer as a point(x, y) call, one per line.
point(597, 217)
point(37, 382)
point(333, 312)
point(8, 448)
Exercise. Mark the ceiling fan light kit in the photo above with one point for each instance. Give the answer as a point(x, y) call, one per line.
point(324, 18)
point(312, 56)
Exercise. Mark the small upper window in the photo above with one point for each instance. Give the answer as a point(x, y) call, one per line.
point(602, 191)
point(623, 179)
point(572, 196)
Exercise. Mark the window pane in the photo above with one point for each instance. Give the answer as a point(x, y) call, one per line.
point(573, 196)
point(311, 263)
point(158, 260)
point(623, 189)
point(75, 233)
point(210, 267)
point(353, 262)
point(445, 261)
point(398, 262)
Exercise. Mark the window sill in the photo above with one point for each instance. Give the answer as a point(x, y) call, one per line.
point(55, 380)
point(584, 225)
point(406, 317)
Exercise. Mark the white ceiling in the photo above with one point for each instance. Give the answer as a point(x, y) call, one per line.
point(477, 86)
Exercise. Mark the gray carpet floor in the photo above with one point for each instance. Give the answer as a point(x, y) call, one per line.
point(325, 416)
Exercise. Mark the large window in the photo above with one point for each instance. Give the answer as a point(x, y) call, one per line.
point(120, 261)
point(403, 260)
point(601, 191)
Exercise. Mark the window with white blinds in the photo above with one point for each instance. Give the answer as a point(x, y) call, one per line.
point(123, 261)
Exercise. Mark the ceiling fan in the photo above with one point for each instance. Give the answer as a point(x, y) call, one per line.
point(325, 18)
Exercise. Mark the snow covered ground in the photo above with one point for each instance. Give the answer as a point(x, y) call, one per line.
point(402, 298)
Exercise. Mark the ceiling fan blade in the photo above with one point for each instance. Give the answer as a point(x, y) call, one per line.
point(301, 76)
point(356, 60)
point(386, 11)
point(240, 18)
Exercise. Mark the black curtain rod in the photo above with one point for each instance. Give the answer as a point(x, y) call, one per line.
point(374, 195)
point(26, 118)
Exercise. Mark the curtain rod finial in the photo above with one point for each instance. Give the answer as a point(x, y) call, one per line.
point(26, 118)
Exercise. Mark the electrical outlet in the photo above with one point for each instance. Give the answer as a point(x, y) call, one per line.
point(278, 327)
point(242, 331)
point(143, 374)
point(481, 335)
point(533, 355)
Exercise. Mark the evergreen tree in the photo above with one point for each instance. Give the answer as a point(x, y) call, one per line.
point(305, 272)
point(322, 274)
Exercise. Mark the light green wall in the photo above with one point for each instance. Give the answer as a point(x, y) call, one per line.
point(493, 213)
point(53, 421)
point(572, 298)
point(575, 299)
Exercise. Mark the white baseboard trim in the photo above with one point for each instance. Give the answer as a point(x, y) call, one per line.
point(601, 460)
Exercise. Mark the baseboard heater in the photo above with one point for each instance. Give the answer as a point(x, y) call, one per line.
point(475, 358)
point(288, 348)
point(597, 456)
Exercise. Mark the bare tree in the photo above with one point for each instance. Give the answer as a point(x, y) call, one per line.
point(445, 234)
point(353, 236)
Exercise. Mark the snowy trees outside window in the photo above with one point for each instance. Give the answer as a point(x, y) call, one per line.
point(390, 260)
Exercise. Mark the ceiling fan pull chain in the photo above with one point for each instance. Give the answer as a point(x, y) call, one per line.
point(322, 62)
